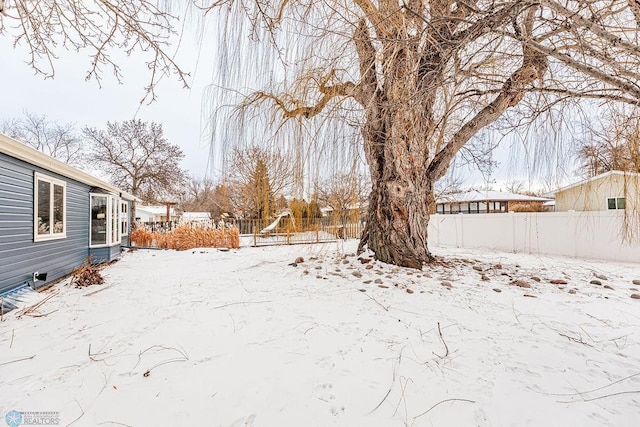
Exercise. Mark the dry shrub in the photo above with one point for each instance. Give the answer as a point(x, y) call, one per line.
point(525, 206)
point(141, 237)
point(184, 237)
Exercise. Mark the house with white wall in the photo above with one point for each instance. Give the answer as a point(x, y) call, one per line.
point(613, 190)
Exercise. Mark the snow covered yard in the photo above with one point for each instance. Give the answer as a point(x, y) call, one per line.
point(243, 338)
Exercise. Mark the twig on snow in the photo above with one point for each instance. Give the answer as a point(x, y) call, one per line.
point(595, 389)
point(114, 422)
point(240, 302)
point(34, 307)
point(17, 360)
point(183, 357)
point(376, 301)
point(80, 416)
point(99, 290)
point(393, 381)
point(41, 315)
point(443, 401)
point(600, 397)
point(574, 339)
point(13, 331)
point(444, 343)
point(403, 387)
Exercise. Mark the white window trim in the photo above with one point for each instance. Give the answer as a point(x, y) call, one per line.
point(52, 181)
point(616, 202)
point(111, 199)
point(124, 217)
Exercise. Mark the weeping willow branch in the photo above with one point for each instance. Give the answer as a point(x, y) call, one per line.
point(343, 90)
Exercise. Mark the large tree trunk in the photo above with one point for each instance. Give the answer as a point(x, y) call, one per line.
point(396, 228)
point(402, 190)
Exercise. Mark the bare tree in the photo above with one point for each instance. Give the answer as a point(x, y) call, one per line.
point(344, 192)
point(612, 145)
point(515, 187)
point(203, 195)
point(259, 176)
point(100, 27)
point(57, 140)
point(421, 79)
point(138, 159)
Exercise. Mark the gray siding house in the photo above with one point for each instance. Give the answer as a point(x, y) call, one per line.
point(53, 217)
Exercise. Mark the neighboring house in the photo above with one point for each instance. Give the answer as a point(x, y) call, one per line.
point(189, 217)
point(154, 213)
point(609, 191)
point(486, 201)
point(351, 213)
point(53, 217)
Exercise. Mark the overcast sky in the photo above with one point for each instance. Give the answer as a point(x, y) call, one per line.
point(69, 98)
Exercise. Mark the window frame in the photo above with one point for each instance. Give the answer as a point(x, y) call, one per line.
point(113, 206)
point(40, 177)
point(124, 218)
point(616, 201)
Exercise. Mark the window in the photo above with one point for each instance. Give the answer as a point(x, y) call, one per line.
point(105, 220)
point(615, 203)
point(124, 218)
point(50, 201)
point(497, 206)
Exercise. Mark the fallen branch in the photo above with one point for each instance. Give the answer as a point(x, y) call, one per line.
point(443, 401)
point(13, 331)
point(34, 307)
point(17, 360)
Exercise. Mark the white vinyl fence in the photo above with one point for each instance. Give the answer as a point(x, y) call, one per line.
point(610, 235)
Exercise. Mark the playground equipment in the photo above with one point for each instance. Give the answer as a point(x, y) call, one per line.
point(269, 228)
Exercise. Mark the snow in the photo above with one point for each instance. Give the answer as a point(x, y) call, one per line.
point(486, 195)
point(244, 338)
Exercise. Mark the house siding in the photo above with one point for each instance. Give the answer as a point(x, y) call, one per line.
point(20, 256)
point(592, 195)
point(105, 254)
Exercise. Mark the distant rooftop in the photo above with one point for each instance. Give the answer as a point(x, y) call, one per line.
point(154, 210)
point(595, 178)
point(488, 195)
point(195, 215)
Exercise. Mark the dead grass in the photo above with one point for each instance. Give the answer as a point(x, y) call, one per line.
point(184, 237)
